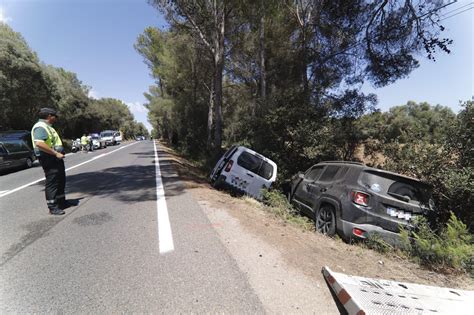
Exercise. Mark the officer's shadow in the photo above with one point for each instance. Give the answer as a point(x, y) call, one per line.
point(74, 202)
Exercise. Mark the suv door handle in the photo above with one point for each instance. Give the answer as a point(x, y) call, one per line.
point(323, 189)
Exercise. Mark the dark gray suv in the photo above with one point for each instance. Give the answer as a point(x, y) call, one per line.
point(355, 200)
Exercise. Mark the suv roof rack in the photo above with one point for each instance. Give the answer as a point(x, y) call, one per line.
point(344, 162)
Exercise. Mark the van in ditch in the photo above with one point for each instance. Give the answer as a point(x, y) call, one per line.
point(245, 171)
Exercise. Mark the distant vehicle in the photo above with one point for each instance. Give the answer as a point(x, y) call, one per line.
point(111, 137)
point(97, 141)
point(16, 149)
point(244, 170)
point(118, 137)
point(355, 201)
point(76, 145)
point(140, 138)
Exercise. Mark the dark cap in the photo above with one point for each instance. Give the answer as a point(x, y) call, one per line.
point(48, 111)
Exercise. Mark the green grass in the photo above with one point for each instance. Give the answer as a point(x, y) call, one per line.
point(276, 203)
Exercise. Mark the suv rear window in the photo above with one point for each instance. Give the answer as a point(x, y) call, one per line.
point(397, 187)
point(255, 164)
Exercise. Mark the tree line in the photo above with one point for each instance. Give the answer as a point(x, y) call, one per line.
point(285, 78)
point(27, 84)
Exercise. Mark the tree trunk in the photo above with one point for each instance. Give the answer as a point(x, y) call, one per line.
point(210, 116)
point(263, 74)
point(218, 73)
point(219, 68)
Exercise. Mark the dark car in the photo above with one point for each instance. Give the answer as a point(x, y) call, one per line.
point(355, 201)
point(16, 149)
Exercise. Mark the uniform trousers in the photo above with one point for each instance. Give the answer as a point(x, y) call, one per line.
point(55, 184)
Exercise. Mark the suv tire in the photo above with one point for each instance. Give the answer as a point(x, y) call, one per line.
point(325, 221)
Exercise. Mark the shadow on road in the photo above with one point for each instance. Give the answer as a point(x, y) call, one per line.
point(131, 183)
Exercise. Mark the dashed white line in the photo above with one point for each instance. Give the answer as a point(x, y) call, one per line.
point(165, 236)
point(8, 192)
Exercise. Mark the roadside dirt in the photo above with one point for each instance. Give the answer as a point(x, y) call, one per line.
point(306, 251)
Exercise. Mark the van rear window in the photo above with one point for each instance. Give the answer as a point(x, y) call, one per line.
point(255, 164)
point(397, 187)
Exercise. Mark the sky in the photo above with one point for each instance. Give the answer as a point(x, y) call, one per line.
point(94, 39)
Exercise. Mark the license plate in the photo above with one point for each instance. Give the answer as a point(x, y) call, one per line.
point(399, 214)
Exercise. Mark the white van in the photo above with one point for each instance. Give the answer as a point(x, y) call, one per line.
point(111, 137)
point(244, 170)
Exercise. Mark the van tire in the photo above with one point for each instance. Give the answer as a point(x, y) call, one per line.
point(219, 182)
point(325, 220)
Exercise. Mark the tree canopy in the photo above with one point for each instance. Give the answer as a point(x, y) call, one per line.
point(26, 85)
point(285, 77)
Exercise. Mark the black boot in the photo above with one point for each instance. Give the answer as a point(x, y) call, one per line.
point(56, 211)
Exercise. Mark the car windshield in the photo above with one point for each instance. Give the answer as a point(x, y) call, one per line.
point(106, 134)
point(398, 187)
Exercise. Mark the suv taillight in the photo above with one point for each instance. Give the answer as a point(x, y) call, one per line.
point(360, 198)
point(229, 165)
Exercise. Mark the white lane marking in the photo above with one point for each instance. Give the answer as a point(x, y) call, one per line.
point(8, 192)
point(165, 236)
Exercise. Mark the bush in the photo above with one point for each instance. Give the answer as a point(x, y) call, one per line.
point(277, 203)
point(452, 247)
point(377, 243)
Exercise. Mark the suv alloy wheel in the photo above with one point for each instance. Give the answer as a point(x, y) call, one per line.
point(325, 221)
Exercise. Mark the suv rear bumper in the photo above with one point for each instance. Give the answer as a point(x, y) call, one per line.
point(369, 229)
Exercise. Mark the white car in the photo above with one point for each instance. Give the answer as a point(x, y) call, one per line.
point(244, 170)
point(97, 141)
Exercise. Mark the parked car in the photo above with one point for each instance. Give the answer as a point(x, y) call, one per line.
point(118, 137)
point(355, 201)
point(244, 170)
point(97, 141)
point(16, 149)
point(111, 137)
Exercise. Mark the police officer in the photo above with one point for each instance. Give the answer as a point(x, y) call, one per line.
point(84, 142)
point(50, 152)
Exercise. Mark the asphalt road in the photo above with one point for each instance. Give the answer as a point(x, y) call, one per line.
point(105, 255)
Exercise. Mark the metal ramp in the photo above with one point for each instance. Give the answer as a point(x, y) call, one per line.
point(361, 295)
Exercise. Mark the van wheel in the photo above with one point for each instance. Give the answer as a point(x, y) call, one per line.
point(29, 162)
point(218, 182)
point(325, 222)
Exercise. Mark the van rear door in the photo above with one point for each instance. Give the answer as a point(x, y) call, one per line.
point(221, 163)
